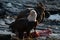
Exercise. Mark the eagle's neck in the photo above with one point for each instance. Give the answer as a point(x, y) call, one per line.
point(32, 17)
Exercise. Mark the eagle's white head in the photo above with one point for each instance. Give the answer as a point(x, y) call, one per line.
point(32, 16)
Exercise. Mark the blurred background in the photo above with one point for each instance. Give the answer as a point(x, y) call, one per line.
point(10, 8)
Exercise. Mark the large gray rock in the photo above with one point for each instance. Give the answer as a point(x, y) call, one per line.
point(9, 20)
point(2, 22)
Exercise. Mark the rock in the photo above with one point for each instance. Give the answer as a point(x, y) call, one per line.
point(2, 13)
point(54, 17)
point(11, 8)
point(9, 20)
point(5, 37)
point(2, 22)
point(9, 5)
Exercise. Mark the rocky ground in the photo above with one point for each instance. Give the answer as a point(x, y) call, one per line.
point(13, 7)
point(55, 26)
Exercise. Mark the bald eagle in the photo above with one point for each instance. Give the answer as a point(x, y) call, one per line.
point(25, 24)
point(40, 9)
